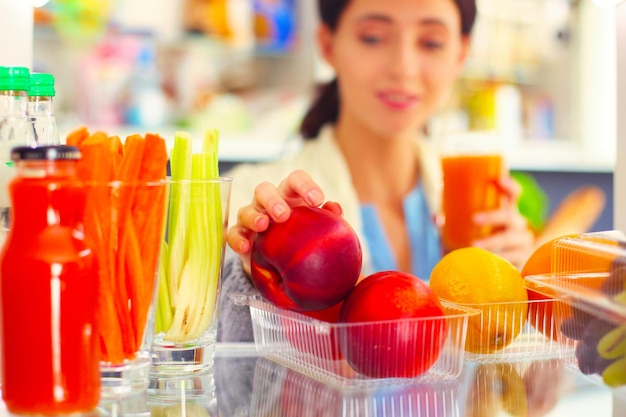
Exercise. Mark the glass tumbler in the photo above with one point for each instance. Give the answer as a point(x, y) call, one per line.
point(191, 268)
point(125, 223)
point(472, 167)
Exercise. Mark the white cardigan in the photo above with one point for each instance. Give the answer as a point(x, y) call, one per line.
point(322, 159)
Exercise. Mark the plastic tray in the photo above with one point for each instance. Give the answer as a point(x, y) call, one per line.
point(512, 331)
point(589, 276)
point(281, 391)
point(316, 348)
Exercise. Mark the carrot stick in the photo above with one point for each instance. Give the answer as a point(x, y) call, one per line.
point(153, 167)
point(116, 149)
point(149, 215)
point(94, 166)
point(77, 136)
point(131, 160)
point(127, 282)
point(136, 284)
point(154, 162)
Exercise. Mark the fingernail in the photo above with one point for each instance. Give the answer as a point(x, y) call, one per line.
point(279, 210)
point(258, 220)
point(478, 244)
point(242, 245)
point(314, 198)
point(479, 218)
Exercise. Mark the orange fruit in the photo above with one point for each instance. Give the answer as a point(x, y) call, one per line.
point(480, 279)
point(547, 316)
point(584, 253)
point(541, 311)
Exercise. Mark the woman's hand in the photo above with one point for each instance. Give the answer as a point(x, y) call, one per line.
point(512, 238)
point(271, 203)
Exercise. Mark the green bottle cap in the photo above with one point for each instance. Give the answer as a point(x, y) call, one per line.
point(14, 78)
point(41, 84)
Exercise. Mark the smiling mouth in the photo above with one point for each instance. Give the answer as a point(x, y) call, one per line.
point(398, 100)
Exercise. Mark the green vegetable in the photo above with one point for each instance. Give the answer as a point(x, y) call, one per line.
point(188, 290)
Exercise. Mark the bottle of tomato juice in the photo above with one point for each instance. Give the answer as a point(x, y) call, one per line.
point(48, 289)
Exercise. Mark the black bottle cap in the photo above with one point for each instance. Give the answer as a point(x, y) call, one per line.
point(45, 153)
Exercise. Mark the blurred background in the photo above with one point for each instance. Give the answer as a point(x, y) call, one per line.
point(541, 75)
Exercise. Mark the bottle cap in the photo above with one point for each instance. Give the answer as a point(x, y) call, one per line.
point(14, 78)
point(41, 84)
point(45, 153)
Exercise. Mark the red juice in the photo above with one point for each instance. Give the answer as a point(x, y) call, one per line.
point(49, 289)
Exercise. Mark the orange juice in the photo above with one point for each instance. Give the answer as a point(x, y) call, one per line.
point(471, 184)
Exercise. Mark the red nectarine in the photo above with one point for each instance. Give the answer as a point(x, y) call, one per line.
point(309, 262)
point(397, 326)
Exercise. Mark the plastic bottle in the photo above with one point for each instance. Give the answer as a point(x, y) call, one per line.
point(148, 105)
point(49, 282)
point(41, 109)
point(14, 121)
point(15, 130)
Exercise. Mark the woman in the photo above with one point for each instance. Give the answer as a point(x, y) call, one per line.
point(396, 63)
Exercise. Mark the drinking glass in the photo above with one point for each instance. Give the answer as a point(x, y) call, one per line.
point(125, 223)
point(472, 166)
point(191, 265)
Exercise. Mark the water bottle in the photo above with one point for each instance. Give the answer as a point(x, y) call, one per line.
point(41, 109)
point(15, 130)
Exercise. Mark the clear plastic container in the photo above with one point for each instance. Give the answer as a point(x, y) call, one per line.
point(390, 350)
point(588, 273)
point(280, 391)
point(512, 331)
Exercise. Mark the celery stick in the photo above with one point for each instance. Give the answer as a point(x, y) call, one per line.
point(180, 164)
point(204, 218)
point(210, 145)
point(164, 306)
point(158, 321)
point(182, 309)
point(214, 233)
point(198, 246)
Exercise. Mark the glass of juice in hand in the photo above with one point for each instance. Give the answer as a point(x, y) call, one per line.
point(472, 166)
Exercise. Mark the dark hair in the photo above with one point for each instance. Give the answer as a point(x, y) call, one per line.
point(325, 108)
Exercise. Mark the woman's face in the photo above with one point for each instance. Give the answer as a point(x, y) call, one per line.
point(396, 61)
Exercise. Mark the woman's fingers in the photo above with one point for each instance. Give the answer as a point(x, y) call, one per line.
point(272, 203)
point(268, 201)
point(512, 238)
point(300, 189)
point(239, 239)
point(514, 245)
point(296, 190)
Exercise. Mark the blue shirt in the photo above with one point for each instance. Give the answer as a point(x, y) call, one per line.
point(423, 236)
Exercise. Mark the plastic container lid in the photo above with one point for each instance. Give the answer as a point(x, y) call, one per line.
point(45, 153)
point(42, 85)
point(14, 78)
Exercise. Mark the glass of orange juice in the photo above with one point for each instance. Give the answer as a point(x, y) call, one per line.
point(472, 166)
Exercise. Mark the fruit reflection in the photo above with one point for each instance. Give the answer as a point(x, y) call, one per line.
point(520, 390)
point(497, 388)
point(182, 410)
point(542, 380)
